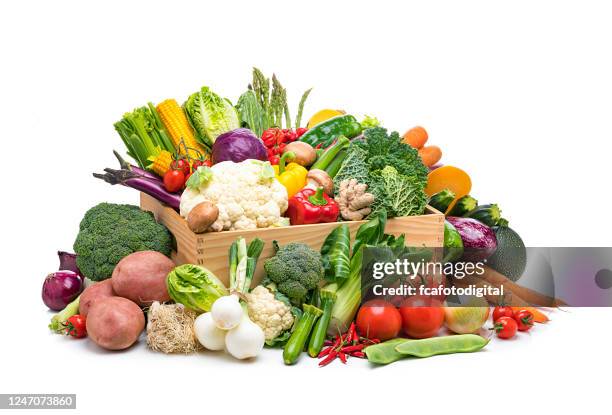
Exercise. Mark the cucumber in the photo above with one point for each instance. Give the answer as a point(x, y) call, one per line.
point(463, 206)
point(510, 258)
point(453, 245)
point(487, 214)
point(442, 200)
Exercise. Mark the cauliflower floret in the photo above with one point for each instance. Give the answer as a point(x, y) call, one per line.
point(246, 194)
point(271, 315)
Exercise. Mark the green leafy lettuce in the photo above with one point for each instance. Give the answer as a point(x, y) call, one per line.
point(210, 115)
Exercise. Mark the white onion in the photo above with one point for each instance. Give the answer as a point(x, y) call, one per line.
point(227, 312)
point(207, 333)
point(246, 340)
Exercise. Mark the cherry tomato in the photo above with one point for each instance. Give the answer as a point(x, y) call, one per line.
point(379, 319)
point(198, 163)
point(422, 317)
point(524, 320)
point(174, 180)
point(300, 132)
point(502, 311)
point(75, 326)
point(505, 327)
point(181, 164)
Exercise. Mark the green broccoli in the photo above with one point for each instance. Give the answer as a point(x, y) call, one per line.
point(109, 232)
point(295, 269)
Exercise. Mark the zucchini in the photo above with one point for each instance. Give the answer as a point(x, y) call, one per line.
point(487, 214)
point(510, 258)
point(463, 206)
point(442, 200)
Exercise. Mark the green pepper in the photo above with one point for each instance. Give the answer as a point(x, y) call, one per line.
point(326, 132)
point(295, 344)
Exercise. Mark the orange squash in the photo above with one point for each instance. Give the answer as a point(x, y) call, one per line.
point(448, 177)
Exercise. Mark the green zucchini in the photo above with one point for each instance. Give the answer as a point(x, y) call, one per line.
point(334, 167)
point(326, 132)
point(487, 214)
point(510, 257)
point(442, 200)
point(463, 206)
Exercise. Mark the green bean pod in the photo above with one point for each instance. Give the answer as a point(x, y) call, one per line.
point(295, 344)
point(461, 343)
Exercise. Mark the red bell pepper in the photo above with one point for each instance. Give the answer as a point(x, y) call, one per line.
point(312, 206)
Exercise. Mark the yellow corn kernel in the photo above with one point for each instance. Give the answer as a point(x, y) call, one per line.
point(178, 127)
point(160, 163)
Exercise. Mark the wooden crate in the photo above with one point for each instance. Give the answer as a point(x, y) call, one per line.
point(210, 249)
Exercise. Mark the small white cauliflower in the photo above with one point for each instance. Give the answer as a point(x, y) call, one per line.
point(247, 194)
point(272, 315)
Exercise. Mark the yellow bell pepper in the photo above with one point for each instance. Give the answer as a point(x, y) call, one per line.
point(292, 175)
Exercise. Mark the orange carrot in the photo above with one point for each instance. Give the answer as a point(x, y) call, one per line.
point(416, 137)
point(538, 316)
point(430, 155)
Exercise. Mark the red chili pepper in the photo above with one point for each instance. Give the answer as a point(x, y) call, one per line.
point(351, 349)
point(330, 357)
point(325, 351)
point(274, 160)
point(342, 357)
point(353, 331)
point(359, 354)
point(312, 206)
point(300, 132)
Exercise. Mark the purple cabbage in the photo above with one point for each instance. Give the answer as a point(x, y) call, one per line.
point(238, 145)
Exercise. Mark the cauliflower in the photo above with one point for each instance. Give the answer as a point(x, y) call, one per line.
point(272, 315)
point(247, 194)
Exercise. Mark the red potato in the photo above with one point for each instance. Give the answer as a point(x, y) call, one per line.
point(115, 323)
point(141, 277)
point(92, 293)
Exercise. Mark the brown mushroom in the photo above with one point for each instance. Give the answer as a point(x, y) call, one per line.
point(202, 216)
point(319, 178)
point(305, 155)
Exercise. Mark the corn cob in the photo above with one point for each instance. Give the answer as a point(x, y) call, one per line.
point(178, 127)
point(160, 163)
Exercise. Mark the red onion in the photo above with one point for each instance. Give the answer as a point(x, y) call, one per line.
point(68, 262)
point(61, 288)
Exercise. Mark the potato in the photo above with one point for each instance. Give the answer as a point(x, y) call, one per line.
point(92, 293)
point(202, 216)
point(114, 323)
point(141, 277)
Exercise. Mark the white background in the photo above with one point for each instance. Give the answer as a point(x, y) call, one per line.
point(516, 93)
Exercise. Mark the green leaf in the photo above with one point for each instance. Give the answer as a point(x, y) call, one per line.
point(199, 178)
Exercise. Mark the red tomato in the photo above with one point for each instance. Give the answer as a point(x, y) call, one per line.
point(379, 319)
point(181, 164)
point(505, 327)
point(422, 317)
point(300, 132)
point(198, 163)
point(524, 320)
point(75, 326)
point(174, 180)
point(502, 311)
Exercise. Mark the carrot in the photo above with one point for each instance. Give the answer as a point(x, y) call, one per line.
point(538, 316)
point(430, 155)
point(416, 137)
point(529, 295)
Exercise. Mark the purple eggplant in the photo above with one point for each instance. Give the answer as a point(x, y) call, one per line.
point(152, 187)
point(479, 240)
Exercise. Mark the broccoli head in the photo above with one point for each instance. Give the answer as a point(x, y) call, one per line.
point(296, 269)
point(108, 232)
